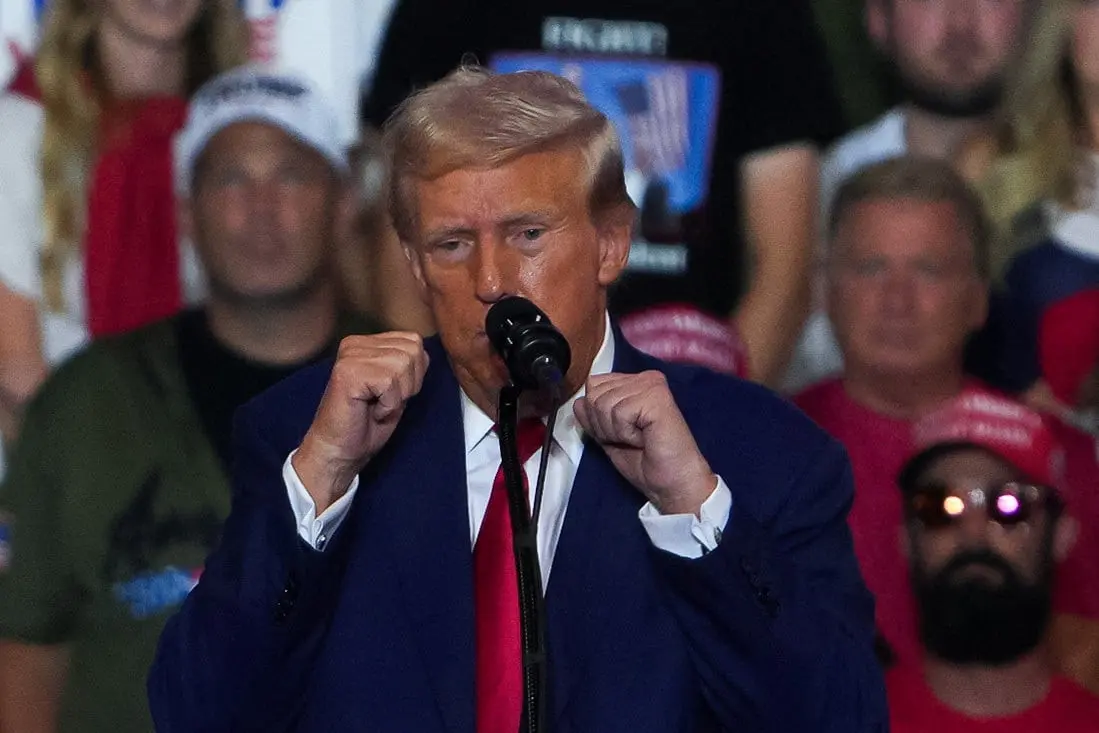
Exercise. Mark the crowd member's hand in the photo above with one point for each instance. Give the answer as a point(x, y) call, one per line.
point(372, 380)
point(636, 421)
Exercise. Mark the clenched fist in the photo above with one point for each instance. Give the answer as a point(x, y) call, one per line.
point(372, 379)
point(636, 421)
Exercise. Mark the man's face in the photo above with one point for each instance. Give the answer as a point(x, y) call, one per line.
point(951, 55)
point(983, 589)
point(904, 293)
point(525, 229)
point(263, 214)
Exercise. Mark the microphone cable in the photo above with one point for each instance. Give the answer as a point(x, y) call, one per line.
point(547, 446)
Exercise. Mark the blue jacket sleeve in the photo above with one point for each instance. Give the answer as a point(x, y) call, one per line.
point(779, 622)
point(238, 655)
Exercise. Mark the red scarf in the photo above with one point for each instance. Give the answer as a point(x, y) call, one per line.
point(131, 246)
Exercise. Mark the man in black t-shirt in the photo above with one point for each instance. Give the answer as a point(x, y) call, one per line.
point(118, 485)
point(719, 103)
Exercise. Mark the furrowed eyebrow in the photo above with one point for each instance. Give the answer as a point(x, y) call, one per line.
point(448, 232)
point(528, 219)
point(532, 218)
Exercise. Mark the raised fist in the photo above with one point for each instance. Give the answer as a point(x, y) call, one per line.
point(372, 379)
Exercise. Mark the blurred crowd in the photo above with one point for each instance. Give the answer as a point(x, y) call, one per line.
point(887, 210)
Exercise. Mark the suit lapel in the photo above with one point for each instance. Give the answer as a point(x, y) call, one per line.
point(428, 515)
point(587, 569)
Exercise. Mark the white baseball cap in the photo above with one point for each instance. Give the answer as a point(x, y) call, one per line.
point(251, 94)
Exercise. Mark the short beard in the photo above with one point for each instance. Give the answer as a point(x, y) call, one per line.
point(978, 101)
point(977, 621)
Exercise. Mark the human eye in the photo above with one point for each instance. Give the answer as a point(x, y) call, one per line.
point(868, 267)
point(528, 236)
point(932, 270)
point(449, 249)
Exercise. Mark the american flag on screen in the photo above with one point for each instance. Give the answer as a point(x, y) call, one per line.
point(665, 113)
point(657, 112)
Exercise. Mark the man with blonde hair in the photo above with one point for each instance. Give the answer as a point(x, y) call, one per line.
point(721, 107)
point(692, 535)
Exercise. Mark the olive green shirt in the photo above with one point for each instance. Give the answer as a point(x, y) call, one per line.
point(114, 497)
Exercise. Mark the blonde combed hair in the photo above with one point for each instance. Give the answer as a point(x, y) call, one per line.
point(72, 99)
point(1037, 155)
point(474, 118)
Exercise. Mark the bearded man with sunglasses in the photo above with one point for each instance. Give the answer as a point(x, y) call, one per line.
point(986, 528)
point(908, 275)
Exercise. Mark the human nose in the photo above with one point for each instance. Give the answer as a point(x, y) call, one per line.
point(900, 293)
point(262, 199)
point(490, 272)
point(974, 526)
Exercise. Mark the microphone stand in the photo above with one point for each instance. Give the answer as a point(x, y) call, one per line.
point(532, 602)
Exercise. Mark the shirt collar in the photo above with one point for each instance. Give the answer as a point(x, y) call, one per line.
point(566, 432)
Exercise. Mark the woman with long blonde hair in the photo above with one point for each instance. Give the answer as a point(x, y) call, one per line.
point(1041, 186)
point(88, 244)
point(88, 241)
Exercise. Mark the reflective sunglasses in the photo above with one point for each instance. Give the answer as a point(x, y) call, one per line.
point(1010, 503)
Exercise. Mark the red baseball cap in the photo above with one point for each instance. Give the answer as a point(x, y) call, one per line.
point(685, 335)
point(1068, 344)
point(994, 423)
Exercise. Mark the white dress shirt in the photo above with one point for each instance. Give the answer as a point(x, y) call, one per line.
point(683, 534)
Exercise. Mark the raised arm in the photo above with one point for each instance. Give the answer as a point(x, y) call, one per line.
point(779, 622)
point(775, 612)
point(240, 653)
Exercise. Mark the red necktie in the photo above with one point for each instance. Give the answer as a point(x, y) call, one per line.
point(496, 602)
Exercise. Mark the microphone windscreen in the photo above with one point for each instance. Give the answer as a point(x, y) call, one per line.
point(507, 313)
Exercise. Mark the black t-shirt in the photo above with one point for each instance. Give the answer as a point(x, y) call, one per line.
point(692, 86)
point(220, 380)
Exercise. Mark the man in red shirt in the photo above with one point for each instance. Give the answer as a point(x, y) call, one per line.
point(985, 529)
point(908, 269)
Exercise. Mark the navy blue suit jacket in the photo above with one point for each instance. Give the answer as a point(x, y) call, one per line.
point(772, 631)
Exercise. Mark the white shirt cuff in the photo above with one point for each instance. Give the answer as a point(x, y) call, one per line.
point(311, 528)
point(685, 534)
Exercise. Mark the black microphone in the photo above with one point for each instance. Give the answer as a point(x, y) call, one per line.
point(536, 354)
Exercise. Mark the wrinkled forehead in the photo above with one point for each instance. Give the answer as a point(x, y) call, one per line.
point(530, 183)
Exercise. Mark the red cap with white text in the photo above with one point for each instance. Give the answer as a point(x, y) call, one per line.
point(683, 334)
point(994, 423)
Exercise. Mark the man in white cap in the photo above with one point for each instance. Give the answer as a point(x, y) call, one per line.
point(987, 527)
point(118, 487)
